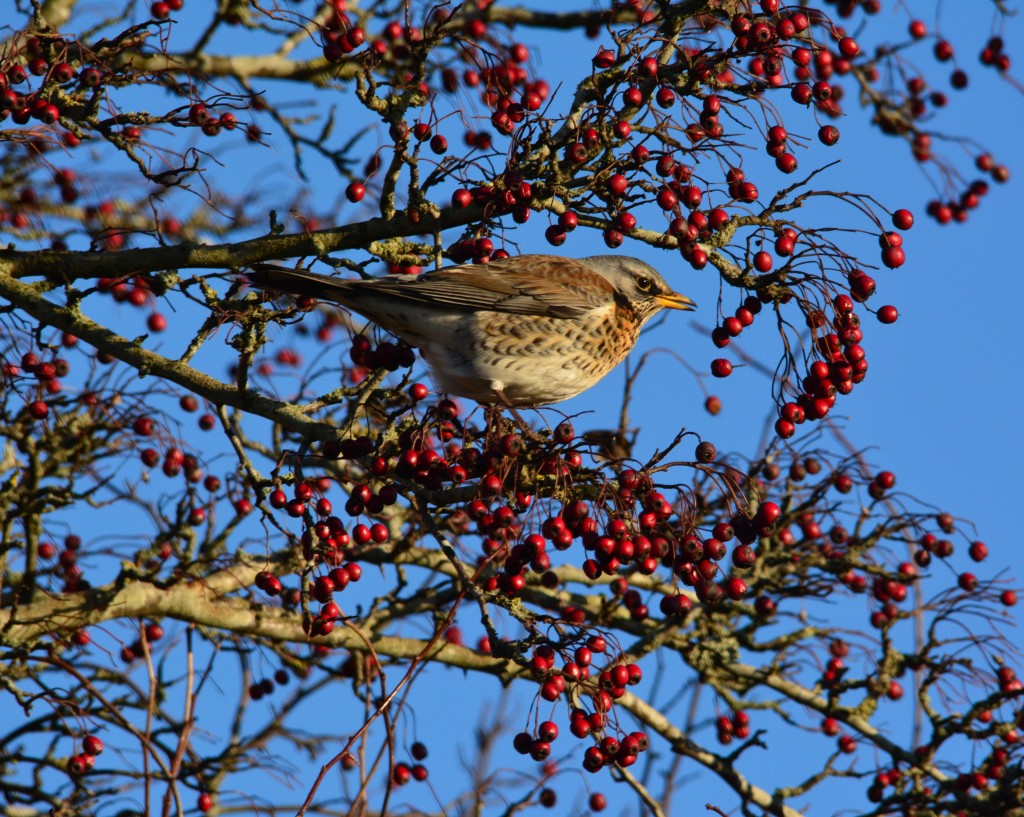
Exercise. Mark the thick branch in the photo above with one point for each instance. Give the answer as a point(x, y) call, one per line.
point(208, 602)
point(147, 362)
point(70, 266)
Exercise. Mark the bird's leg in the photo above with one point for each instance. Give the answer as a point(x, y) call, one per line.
point(492, 419)
point(527, 430)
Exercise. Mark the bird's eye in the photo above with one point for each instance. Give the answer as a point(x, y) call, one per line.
point(643, 283)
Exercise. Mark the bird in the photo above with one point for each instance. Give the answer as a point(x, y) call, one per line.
point(522, 331)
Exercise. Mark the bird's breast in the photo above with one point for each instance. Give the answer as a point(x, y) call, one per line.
point(530, 359)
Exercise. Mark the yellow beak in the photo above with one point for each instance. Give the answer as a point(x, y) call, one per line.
point(675, 301)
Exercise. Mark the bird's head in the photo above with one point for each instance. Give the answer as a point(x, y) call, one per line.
point(639, 284)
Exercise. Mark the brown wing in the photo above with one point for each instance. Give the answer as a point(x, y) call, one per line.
point(526, 285)
point(299, 282)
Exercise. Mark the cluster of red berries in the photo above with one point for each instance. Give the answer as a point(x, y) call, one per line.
point(340, 37)
point(512, 195)
point(329, 542)
point(699, 225)
point(396, 40)
point(736, 726)
point(610, 685)
point(151, 633)
point(161, 9)
point(266, 686)
point(957, 211)
point(506, 87)
point(137, 292)
point(47, 374)
point(845, 362)
point(40, 104)
point(211, 124)
point(403, 772)
point(993, 55)
point(385, 355)
point(176, 462)
point(67, 567)
point(767, 36)
point(988, 772)
point(324, 588)
point(730, 328)
point(838, 342)
point(57, 65)
point(85, 760)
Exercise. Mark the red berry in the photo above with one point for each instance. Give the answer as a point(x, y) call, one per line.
point(828, 134)
point(888, 314)
point(787, 163)
point(92, 745)
point(903, 219)
point(763, 261)
point(893, 257)
point(746, 191)
point(848, 47)
point(438, 144)
point(555, 235)
point(568, 221)
point(735, 588)
point(355, 192)
point(617, 184)
point(768, 513)
point(720, 367)
point(667, 200)
point(547, 731)
point(401, 774)
point(38, 409)
point(862, 287)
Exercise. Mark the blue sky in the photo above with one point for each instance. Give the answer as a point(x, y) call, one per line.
point(940, 406)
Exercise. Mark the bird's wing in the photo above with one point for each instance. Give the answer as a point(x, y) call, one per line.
point(546, 285)
point(298, 282)
point(543, 285)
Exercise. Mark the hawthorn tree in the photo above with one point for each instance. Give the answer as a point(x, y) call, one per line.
point(250, 561)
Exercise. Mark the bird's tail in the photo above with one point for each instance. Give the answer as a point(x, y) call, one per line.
point(299, 282)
